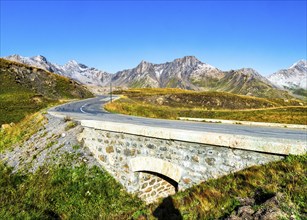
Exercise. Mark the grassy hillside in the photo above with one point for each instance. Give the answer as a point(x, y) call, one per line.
point(174, 103)
point(25, 89)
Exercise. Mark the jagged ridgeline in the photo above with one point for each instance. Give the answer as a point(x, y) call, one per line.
point(26, 89)
point(190, 73)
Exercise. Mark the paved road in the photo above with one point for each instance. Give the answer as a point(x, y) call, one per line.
point(91, 109)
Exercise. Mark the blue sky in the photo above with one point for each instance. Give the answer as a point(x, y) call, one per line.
point(116, 35)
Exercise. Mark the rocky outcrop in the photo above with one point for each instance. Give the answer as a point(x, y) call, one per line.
point(267, 206)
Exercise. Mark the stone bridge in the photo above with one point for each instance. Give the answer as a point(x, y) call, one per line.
point(154, 162)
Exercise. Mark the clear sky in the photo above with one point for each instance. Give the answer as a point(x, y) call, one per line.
point(116, 35)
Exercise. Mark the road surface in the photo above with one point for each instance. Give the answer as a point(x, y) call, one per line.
point(91, 109)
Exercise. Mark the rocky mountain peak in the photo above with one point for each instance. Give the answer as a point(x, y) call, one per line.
point(249, 71)
point(300, 65)
point(301, 62)
point(73, 63)
point(40, 58)
point(143, 66)
point(144, 63)
point(188, 60)
point(14, 56)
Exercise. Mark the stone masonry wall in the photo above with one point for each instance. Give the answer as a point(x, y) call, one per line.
point(198, 162)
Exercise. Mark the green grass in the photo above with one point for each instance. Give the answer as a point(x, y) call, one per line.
point(301, 92)
point(64, 192)
point(70, 125)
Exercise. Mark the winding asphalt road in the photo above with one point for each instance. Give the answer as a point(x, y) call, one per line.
point(91, 109)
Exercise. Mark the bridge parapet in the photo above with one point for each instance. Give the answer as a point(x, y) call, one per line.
point(249, 143)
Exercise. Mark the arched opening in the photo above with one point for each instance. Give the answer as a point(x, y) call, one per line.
point(157, 178)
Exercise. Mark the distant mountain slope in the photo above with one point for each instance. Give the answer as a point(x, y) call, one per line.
point(247, 81)
point(73, 69)
point(25, 89)
point(293, 78)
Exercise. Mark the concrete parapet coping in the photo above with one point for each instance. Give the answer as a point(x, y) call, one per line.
point(278, 125)
point(266, 145)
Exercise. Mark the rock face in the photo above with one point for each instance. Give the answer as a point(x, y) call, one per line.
point(73, 69)
point(294, 78)
point(186, 73)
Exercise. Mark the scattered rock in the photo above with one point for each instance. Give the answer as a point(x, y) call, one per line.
point(160, 100)
point(109, 149)
point(5, 126)
point(270, 209)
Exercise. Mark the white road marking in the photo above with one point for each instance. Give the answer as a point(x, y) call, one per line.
point(81, 109)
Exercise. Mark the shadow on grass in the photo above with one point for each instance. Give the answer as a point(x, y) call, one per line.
point(167, 210)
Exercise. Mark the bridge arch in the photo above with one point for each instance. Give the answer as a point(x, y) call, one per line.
point(156, 165)
point(157, 178)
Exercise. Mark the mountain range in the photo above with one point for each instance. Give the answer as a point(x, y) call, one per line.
point(187, 73)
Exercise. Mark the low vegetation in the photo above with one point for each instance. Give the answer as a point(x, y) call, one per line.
point(302, 93)
point(174, 103)
point(70, 124)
